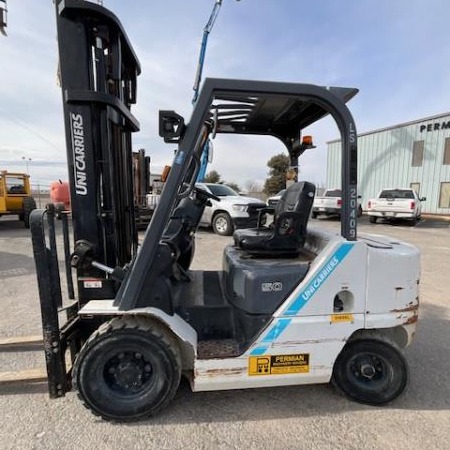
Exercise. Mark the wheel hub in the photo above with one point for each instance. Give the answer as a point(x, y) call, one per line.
point(221, 225)
point(128, 375)
point(128, 371)
point(368, 368)
point(368, 371)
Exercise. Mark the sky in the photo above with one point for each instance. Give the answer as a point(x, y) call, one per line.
point(396, 52)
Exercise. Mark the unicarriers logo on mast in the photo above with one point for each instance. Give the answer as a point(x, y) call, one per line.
point(79, 161)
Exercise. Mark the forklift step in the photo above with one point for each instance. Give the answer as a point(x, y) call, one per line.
point(23, 376)
point(224, 348)
point(21, 343)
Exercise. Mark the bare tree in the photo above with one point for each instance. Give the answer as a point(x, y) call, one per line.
point(253, 186)
point(233, 186)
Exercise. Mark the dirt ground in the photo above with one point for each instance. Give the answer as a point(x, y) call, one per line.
point(307, 417)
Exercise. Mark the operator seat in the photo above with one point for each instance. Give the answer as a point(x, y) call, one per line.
point(287, 233)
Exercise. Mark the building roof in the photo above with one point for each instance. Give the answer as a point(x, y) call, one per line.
point(399, 125)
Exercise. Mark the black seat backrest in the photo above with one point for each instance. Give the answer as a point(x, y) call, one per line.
point(288, 233)
point(292, 198)
point(293, 210)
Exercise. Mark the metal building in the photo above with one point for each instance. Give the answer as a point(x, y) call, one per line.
point(414, 154)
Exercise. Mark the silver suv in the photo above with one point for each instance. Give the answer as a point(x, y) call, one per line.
point(233, 211)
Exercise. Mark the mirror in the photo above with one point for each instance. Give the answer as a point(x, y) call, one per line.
point(171, 126)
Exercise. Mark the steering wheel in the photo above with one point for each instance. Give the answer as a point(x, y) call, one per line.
point(202, 194)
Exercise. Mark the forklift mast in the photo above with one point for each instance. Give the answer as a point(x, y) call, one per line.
point(98, 72)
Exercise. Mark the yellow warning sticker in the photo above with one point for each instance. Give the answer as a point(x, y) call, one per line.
point(339, 318)
point(278, 364)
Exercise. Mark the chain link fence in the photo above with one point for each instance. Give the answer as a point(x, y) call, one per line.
point(41, 194)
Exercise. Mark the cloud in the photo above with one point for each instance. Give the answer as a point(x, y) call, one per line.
point(395, 52)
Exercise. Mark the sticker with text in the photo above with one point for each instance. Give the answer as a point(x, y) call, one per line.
point(278, 364)
point(339, 318)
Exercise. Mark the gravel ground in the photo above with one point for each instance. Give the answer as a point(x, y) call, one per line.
point(309, 417)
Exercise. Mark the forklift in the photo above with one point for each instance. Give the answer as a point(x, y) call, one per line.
point(292, 305)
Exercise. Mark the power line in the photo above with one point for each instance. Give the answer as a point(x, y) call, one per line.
point(30, 130)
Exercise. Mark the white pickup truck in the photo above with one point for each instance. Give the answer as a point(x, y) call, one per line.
point(391, 204)
point(330, 204)
point(230, 211)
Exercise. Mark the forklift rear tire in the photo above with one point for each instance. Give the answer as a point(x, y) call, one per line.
point(129, 369)
point(223, 225)
point(371, 371)
point(372, 219)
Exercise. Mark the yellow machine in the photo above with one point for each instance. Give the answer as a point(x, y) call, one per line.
point(15, 195)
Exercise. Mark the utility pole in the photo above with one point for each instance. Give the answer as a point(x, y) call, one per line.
point(27, 161)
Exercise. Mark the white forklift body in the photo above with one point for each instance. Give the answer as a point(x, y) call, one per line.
point(302, 341)
point(292, 304)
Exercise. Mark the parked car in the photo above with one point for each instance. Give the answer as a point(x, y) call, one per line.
point(231, 212)
point(398, 203)
point(330, 204)
point(272, 201)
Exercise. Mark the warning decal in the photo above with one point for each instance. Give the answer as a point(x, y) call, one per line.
point(92, 284)
point(278, 364)
point(339, 318)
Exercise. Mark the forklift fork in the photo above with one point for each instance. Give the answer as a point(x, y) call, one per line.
point(56, 340)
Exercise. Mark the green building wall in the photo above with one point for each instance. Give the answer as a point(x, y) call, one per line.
point(385, 160)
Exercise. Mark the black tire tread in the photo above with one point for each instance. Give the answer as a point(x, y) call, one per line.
point(379, 339)
point(132, 323)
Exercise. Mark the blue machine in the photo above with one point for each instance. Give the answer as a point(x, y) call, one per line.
point(198, 78)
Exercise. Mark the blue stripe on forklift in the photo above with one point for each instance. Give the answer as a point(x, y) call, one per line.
point(273, 333)
point(314, 285)
point(276, 330)
point(259, 351)
point(304, 296)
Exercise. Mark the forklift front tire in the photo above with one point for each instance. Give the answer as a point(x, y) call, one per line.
point(128, 370)
point(371, 371)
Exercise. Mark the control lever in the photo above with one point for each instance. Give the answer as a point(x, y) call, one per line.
point(83, 258)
